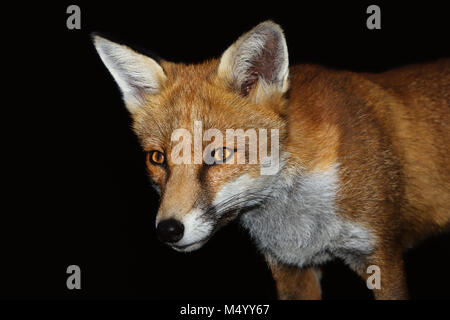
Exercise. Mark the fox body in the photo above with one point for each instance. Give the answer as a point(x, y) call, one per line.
point(364, 169)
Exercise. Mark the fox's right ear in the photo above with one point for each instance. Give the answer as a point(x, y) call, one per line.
point(137, 75)
point(257, 62)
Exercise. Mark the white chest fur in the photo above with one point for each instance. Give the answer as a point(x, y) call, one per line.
point(300, 225)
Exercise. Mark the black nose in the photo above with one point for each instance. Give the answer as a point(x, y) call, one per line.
point(170, 230)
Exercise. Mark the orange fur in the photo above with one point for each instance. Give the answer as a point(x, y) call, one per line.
point(389, 133)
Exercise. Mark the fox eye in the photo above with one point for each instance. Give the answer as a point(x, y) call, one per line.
point(157, 158)
point(222, 155)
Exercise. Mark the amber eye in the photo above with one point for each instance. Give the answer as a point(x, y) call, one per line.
point(157, 158)
point(221, 155)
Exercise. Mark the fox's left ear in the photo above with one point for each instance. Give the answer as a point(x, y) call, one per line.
point(257, 61)
point(137, 75)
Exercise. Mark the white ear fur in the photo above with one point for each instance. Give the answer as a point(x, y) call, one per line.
point(135, 73)
point(259, 57)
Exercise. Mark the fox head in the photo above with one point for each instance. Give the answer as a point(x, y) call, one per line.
point(204, 183)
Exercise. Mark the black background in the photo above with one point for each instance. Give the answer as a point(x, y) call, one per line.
point(80, 194)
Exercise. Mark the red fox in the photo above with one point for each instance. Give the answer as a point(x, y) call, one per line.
point(363, 171)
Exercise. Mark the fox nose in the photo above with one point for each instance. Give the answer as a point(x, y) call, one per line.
point(170, 230)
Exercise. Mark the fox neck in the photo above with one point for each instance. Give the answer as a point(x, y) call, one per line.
point(299, 225)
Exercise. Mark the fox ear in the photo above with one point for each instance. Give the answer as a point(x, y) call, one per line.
point(137, 75)
point(257, 60)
